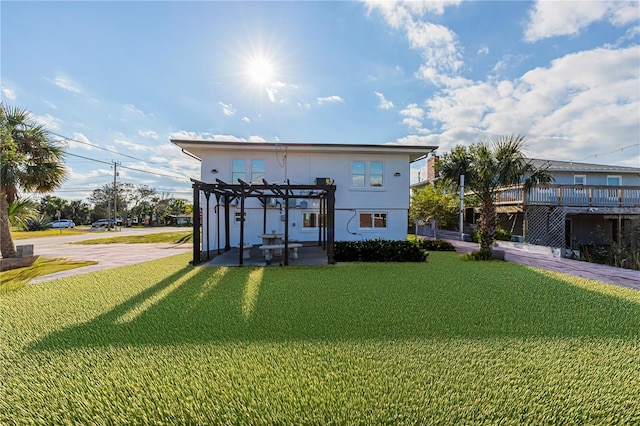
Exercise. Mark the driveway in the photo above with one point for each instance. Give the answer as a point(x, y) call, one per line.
point(107, 255)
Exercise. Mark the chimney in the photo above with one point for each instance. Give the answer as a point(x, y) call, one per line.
point(432, 173)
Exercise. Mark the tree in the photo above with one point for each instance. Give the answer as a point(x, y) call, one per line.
point(50, 205)
point(30, 160)
point(435, 202)
point(488, 166)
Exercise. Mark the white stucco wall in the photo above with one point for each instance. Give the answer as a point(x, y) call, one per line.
point(391, 199)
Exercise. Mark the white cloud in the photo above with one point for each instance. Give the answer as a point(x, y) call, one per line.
point(581, 103)
point(66, 84)
point(148, 134)
point(275, 91)
point(80, 142)
point(246, 119)
point(383, 102)
point(413, 117)
point(227, 109)
point(131, 145)
point(438, 44)
point(484, 50)
point(8, 93)
point(558, 18)
point(48, 121)
point(130, 109)
point(330, 99)
point(185, 135)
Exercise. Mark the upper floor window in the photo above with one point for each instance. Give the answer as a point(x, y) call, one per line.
point(367, 174)
point(357, 174)
point(579, 179)
point(614, 180)
point(238, 170)
point(257, 171)
point(375, 173)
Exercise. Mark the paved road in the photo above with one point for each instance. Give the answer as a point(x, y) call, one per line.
point(107, 255)
point(546, 261)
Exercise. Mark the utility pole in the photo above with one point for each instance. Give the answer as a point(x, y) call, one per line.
point(115, 194)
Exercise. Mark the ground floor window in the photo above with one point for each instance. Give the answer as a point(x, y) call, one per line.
point(369, 220)
point(309, 220)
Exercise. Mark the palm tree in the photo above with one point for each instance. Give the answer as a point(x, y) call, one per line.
point(488, 166)
point(29, 160)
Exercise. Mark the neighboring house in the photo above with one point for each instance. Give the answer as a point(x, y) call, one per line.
point(368, 186)
point(586, 204)
point(180, 219)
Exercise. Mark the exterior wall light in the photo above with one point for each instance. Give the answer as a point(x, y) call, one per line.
point(397, 174)
point(214, 171)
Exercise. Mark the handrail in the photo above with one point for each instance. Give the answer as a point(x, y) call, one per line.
point(570, 195)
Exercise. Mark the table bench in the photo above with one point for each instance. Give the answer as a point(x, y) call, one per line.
point(269, 249)
point(246, 251)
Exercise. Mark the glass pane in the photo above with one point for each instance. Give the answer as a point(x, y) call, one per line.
point(613, 180)
point(236, 176)
point(309, 220)
point(376, 180)
point(366, 220)
point(380, 220)
point(357, 180)
point(376, 168)
point(358, 168)
point(238, 166)
point(257, 170)
point(578, 180)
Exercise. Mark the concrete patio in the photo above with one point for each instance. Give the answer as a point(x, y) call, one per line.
point(308, 255)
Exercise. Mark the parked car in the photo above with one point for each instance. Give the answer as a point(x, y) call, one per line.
point(102, 223)
point(62, 223)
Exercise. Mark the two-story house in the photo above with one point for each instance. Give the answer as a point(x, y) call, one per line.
point(586, 203)
point(307, 192)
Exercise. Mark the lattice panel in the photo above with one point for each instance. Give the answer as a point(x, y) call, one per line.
point(555, 236)
point(545, 226)
point(537, 225)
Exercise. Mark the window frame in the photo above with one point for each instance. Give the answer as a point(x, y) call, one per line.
point(619, 177)
point(315, 215)
point(373, 215)
point(237, 173)
point(365, 180)
point(584, 179)
point(258, 174)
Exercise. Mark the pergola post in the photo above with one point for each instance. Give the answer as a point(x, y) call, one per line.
point(227, 232)
point(331, 221)
point(196, 224)
point(207, 194)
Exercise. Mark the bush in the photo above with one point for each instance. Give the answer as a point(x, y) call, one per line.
point(35, 223)
point(477, 255)
point(435, 245)
point(501, 235)
point(379, 250)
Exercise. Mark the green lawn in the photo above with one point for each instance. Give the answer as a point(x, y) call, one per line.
point(446, 342)
point(176, 237)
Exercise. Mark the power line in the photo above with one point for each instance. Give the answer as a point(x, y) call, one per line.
point(128, 168)
point(608, 153)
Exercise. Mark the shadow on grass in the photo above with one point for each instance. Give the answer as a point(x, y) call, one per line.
point(356, 302)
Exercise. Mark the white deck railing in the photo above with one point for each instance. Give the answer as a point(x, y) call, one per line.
point(571, 195)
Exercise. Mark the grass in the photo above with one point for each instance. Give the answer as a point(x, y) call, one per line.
point(447, 341)
point(23, 235)
point(15, 279)
point(177, 237)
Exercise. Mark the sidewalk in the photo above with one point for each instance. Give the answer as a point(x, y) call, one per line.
point(609, 274)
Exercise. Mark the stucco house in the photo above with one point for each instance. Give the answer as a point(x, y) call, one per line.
point(307, 192)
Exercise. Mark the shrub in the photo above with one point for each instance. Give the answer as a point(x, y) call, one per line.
point(501, 235)
point(477, 255)
point(37, 222)
point(435, 245)
point(379, 250)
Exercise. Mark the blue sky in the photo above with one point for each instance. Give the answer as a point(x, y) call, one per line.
point(125, 77)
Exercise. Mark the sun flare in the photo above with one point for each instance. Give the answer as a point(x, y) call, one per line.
point(260, 71)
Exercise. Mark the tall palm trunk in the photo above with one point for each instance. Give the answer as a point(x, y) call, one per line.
point(7, 249)
point(487, 224)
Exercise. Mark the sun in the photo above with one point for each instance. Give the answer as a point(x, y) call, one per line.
point(260, 71)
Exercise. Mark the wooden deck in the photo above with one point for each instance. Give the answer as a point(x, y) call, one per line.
point(570, 195)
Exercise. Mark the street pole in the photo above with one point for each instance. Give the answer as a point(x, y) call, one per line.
point(461, 207)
